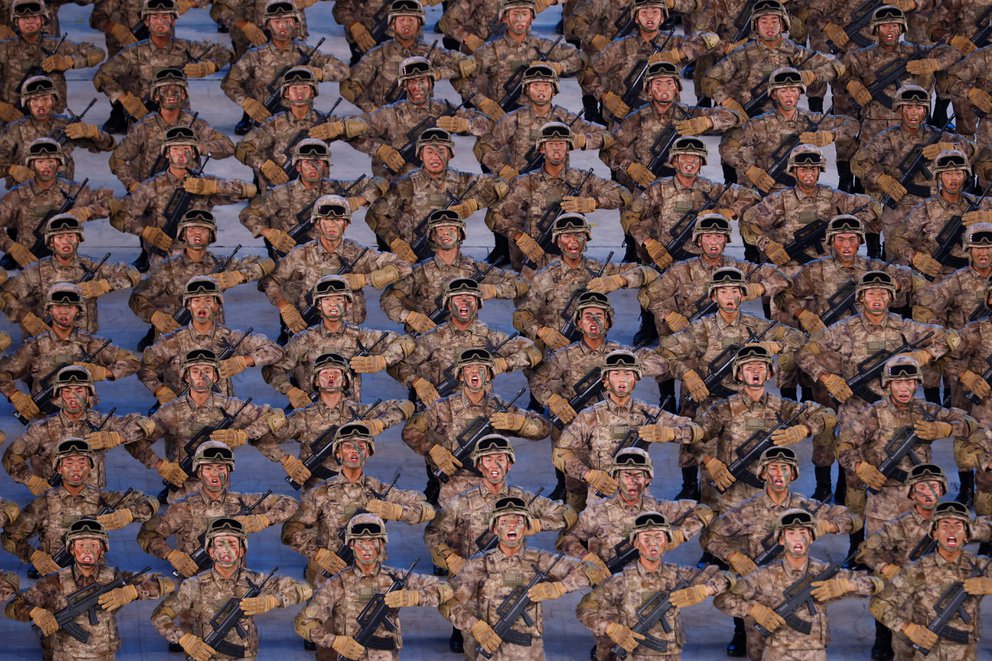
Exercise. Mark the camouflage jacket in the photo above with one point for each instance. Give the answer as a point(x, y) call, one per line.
point(24, 208)
point(500, 58)
point(19, 60)
point(15, 138)
point(259, 71)
point(953, 299)
point(920, 229)
point(377, 73)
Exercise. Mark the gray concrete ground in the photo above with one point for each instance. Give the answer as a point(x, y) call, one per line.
point(426, 633)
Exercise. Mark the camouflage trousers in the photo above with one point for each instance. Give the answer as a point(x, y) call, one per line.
point(327, 654)
point(507, 651)
point(983, 492)
point(604, 645)
point(59, 656)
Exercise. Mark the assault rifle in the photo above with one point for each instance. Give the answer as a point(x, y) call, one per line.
point(86, 600)
point(780, 157)
point(88, 274)
point(56, 478)
point(625, 553)
point(514, 607)
point(304, 218)
point(43, 400)
point(440, 313)
point(287, 166)
point(811, 236)
point(183, 316)
point(534, 158)
point(871, 367)
point(488, 540)
point(913, 163)
point(450, 383)
point(771, 550)
point(178, 205)
point(203, 435)
point(409, 150)
point(949, 606)
point(632, 439)
point(63, 558)
point(321, 449)
point(59, 134)
point(721, 365)
point(798, 595)
point(987, 374)
point(743, 21)
point(663, 143)
point(892, 74)
point(981, 37)
point(310, 314)
point(859, 21)
point(682, 230)
point(751, 450)
point(467, 439)
point(514, 87)
point(652, 612)
point(40, 246)
point(376, 614)
point(634, 82)
point(345, 552)
point(36, 70)
point(546, 224)
point(229, 617)
point(380, 27)
point(568, 328)
point(950, 235)
point(200, 555)
point(161, 163)
point(925, 546)
point(273, 102)
point(759, 93)
point(587, 389)
point(901, 446)
point(422, 245)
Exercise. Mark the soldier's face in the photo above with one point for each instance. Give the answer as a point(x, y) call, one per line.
point(981, 257)
point(787, 98)
point(334, 308)
point(592, 323)
point(650, 18)
point(418, 89)
point(494, 467)
point(225, 550)
point(555, 151)
point(889, 33)
point(65, 244)
point(728, 299)
point(41, 106)
point(632, 484)
point(663, 90)
point(353, 454)
point(806, 175)
point(777, 476)
point(30, 25)
point(298, 95)
point(330, 379)
point(796, 541)
point(464, 307)
point(74, 469)
point(621, 382)
point(754, 374)
point(64, 315)
point(926, 494)
point(180, 156)
point(198, 237)
point(712, 244)
point(846, 246)
point(87, 551)
point(332, 228)
point(952, 181)
point(474, 377)
point(74, 398)
point(446, 237)
point(688, 165)
point(913, 115)
point(201, 378)
point(651, 544)
point(769, 27)
point(367, 551)
point(45, 168)
point(950, 534)
point(876, 300)
point(518, 20)
point(406, 27)
point(171, 97)
point(160, 25)
point(282, 29)
point(311, 169)
point(510, 529)
point(214, 477)
point(203, 308)
point(902, 390)
point(572, 244)
point(435, 158)
point(540, 92)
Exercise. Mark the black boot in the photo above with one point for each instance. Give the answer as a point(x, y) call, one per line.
point(855, 539)
point(590, 108)
point(823, 484)
point(666, 396)
point(729, 174)
point(175, 648)
point(117, 122)
point(456, 643)
point(815, 103)
point(647, 333)
point(440, 571)
point(243, 126)
point(737, 647)
point(309, 646)
point(985, 548)
point(840, 492)
point(500, 254)
point(882, 649)
point(705, 102)
point(141, 264)
point(845, 176)
point(873, 242)
point(147, 340)
point(630, 250)
point(690, 484)
point(433, 488)
point(940, 108)
point(558, 493)
point(932, 395)
point(966, 494)
point(789, 392)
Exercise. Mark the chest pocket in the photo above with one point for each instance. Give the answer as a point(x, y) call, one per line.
point(62, 357)
point(806, 217)
point(365, 593)
point(755, 424)
point(766, 68)
point(875, 345)
point(437, 200)
point(512, 579)
point(682, 206)
point(618, 431)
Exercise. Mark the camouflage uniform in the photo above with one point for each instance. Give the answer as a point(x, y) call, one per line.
point(894, 541)
point(972, 73)
point(376, 73)
point(110, 14)
point(24, 207)
point(498, 60)
point(348, 12)
point(919, 228)
point(15, 138)
point(952, 299)
point(478, 18)
point(20, 60)
point(230, 13)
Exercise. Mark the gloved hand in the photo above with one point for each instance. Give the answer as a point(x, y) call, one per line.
point(676, 321)
point(837, 387)
point(163, 323)
point(530, 247)
point(199, 69)
point(765, 616)
point(115, 520)
point(21, 255)
point(156, 237)
point(57, 63)
point(505, 421)
point(133, 105)
point(979, 585)
point(817, 138)
point(385, 509)
point(444, 460)
point(825, 527)
point(402, 598)
point(924, 67)
point(391, 158)
point(257, 111)
point(658, 254)
point(601, 481)
point(228, 279)
point(121, 33)
point(790, 435)
point(19, 173)
point(24, 404)
point(418, 321)
point(578, 139)
point(196, 648)
point(931, 430)
point(560, 407)
point(5, 342)
point(252, 32)
point(657, 433)
point(118, 598)
point(298, 398)
point(810, 321)
point(295, 469)
point(361, 36)
point(472, 43)
point(82, 131)
point(690, 596)
point(232, 438)
point(37, 484)
point(489, 639)
point(279, 239)
point(870, 475)
point(889, 570)
point(500, 365)
point(9, 113)
point(10, 511)
point(835, 588)
point(837, 35)
point(347, 646)
point(719, 472)
point(734, 105)
point(368, 364)
point(920, 635)
point(234, 365)
point(95, 288)
point(426, 391)
point(976, 384)
point(924, 263)
point(641, 174)
point(552, 338)
point(171, 472)
point(740, 563)
point(578, 204)
point(201, 186)
point(104, 440)
point(263, 603)
point(891, 187)
point(808, 77)
point(969, 218)
point(182, 562)
point(604, 284)
point(273, 172)
point(755, 290)
point(488, 107)
point(403, 250)
point(489, 292)
point(930, 151)
point(376, 425)
point(44, 620)
point(254, 522)
point(761, 179)
point(921, 356)
point(624, 636)
point(859, 92)
point(466, 66)
point(453, 562)
point(453, 124)
point(506, 173)
point(547, 590)
point(964, 45)
point(615, 105)
point(694, 126)
point(292, 318)
point(329, 561)
point(327, 131)
point(465, 208)
point(356, 280)
point(43, 562)
point(164, 394)
point(697, 387)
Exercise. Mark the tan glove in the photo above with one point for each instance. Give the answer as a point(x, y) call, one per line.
point(21, 255)
point(201, 186)
point(810, 321)
point(690, 596)
point(391, 158)
point(489, 107)
point(298, 398)
point(37, 484)
point(347, 646)
point(104, 440)
point(979, 585)
point(43, 562)
point(164, 394)
point(273, 172)
point(10, 512)
point(924, 67)
point(327, 131)
point(578, 204)
point(598, 42)
point(601, 481)
point(676, 321)
point(755, 290)
point(719, 472)
point(466, 208)
point(44, 620)
point(356, 281)
point(196, 648)
point(657, 433)
point(765, 616)
point(837, 387)
point(615, 105)
point(920, 635)
point(172, 473)
point(697, 388)
point(453, 124)
point(454, 562)
point(122, 34)
point(295, 469)
point(369, 364)
point(19, 173)
point(823, 527)
point(279, 239)
point(505, 421)
point(694, 126)
point(257, 111)
point(790, 435)
point(578, 139)
point(57, 63)
point(385, 509)
point(930, 151)
point(761, 179)
point(444, 460)
point(835, 588)
point(500, 365)
point(257, 605)
point(9, 113)
point(859, 92)
point(402, 249)
point(623, 636)
point(740, 563)
point(836, 34)
point(329, 561)
point(889, 570)
point(24, 404)
point(467, 67)
point(182, 562)
point(605, 284)
point(547, 590)
point(133, 105)
point(156, 237)
point(658, 253)
point(507, 173)
point(924, 263)
point(530, 247)
point(232, 438)
point(472, 42)
point(818, 138)
point(808, 77)
point(870, 475)
point(402, 598)
point(5, 342)
point(426, 391)
point(641, 174)
point(115, 520)
point(980, 216)
point(552, 338)
point(964, 45)
point(292, 318)
point(82, 131)
point(891, 187)
point(489, 639)
point(976, 384)
point(931, 430)
point(489, 292)
point(560, 407)
point(361, 36)
point(252, 32)
point(163, 323)
point(254, 522)
point(228, 279)
point(382, 278)
point(921, 356)
point(199, 69)
point(735, 105)
point(118, 598)
point(95, 288)
point(234, 365)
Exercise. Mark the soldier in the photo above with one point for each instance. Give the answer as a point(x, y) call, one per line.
point(468, 25)
point(537, 198)
point(87, 542)
point(200, 598)
point(398, 217)
point(359, 19)
point(437, 432)
point(28, 459)
point(246, 23)
point(373, 81)
point(912, 599)
point(416, 302)
point(486, 580)
point(313, 424)
point(297, 273)
point(26, 208)
point(34, 48)
point(388, 133)
point(458, 531)
point(158, 298)
point(138, 156)
point(40, 99)
point(317, 529)
point(637, 135)
point(585, 450)
point(773, 223)
point(121, 21)
point(613, 70)
point(611, 609)
point(187, 519)
point(918, 238)
point(126, 77)
point(756, 595)
point(958, 298)
point(743, 536)
point(155, 205)
point(49, 515)
point(26, 297)
point(39, 358)
point(510, 148)
point(967, 84)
